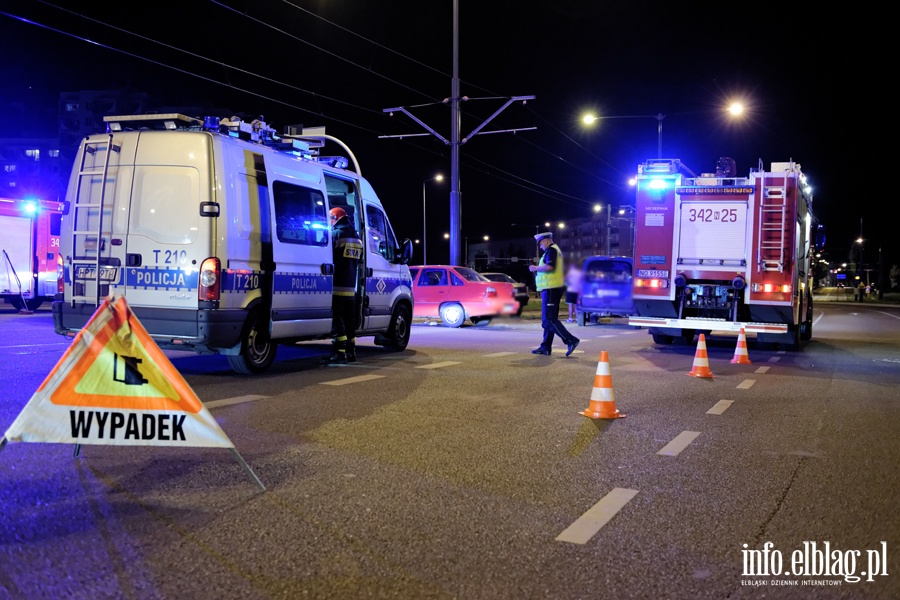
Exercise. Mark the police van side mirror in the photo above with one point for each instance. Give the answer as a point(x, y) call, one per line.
point(406, 251)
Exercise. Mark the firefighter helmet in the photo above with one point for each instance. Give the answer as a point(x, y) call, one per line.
point(337, 213)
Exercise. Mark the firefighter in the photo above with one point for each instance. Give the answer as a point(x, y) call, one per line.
point(347, 248)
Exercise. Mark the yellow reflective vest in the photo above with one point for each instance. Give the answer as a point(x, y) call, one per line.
point(544, 280)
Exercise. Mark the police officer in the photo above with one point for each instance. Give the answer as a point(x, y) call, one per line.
point(347, 248)
point(550, 282)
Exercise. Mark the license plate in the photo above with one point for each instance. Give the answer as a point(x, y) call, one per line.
point(106, 273)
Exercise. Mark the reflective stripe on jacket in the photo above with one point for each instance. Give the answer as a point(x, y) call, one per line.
point(348, 250)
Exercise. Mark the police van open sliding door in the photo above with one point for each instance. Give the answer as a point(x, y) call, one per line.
point(343, 193)
point(301, 303)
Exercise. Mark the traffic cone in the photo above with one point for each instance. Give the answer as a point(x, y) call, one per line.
point(740, 352)
point(701, 360)
point(603, 404)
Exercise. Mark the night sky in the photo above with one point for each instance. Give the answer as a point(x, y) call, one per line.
point(805, 74)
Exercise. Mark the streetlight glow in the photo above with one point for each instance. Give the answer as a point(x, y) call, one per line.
point(438, 178)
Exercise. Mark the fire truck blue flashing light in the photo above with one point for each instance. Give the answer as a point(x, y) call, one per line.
point(658, 184)
point(30, 208)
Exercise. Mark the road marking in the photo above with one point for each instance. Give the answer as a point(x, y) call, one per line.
point(235, 400)
point(498, 354)
point(762, 369)
point(746, 384)
point(608, 335)
point(775, 359)
point(681, 441)
point(720, 407)
point(588, 524)
point(347, 380)
point(887, 313)
point(446, 363)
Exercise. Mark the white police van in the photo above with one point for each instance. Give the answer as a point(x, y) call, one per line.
point(216, 232)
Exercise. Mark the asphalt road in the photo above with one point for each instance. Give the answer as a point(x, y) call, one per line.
point(462, 468)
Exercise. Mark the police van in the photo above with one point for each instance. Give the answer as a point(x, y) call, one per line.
point(216, 232)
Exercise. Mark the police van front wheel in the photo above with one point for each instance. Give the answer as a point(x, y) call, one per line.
point(397, 337)
point(256, 355)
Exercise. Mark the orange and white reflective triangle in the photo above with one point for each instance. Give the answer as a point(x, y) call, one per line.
point(114, 386)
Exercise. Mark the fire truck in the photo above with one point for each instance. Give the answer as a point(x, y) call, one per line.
point(29, 245)
point(721, 253)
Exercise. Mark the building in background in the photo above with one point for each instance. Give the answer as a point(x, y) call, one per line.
point(577, 238)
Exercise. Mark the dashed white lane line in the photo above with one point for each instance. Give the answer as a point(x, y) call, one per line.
point(774, 359)
point(681, 441)
point(588, 524)
point(235, 400)
point(719, 407)
point(347, 380)
point(746, 384)
point(439, 365)
point(762, 370)
point(498, 354)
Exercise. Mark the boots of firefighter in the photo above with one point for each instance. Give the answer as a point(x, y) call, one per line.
point(351, 350)
point(338, 353)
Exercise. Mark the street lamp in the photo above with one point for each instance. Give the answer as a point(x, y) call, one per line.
point(735, 110)
point(437, 177)
point(590, 119)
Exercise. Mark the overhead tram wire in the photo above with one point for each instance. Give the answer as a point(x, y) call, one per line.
point(529, 185)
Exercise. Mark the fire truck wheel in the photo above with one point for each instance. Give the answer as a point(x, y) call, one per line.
point(796, 336)
point(687, 338)
point(807, 325)
point(31, 305)
point(256, 355)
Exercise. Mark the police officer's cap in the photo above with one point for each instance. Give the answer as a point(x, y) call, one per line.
point(546, 234)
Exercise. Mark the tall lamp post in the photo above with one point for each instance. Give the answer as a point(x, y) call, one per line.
point(437, 177)
point(590, 119)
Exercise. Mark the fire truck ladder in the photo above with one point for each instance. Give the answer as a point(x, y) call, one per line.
point(772, 217)
point(87, 219)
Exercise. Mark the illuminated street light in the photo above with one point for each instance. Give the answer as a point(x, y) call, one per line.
point(437, 177)
point(736, 109)
point(590, 118)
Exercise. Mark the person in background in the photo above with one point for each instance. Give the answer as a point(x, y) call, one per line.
point(347, 248)
point(549, 281)
point(573, 290)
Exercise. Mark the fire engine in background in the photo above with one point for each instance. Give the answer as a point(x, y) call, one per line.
point(720, 252)
point(29, 245)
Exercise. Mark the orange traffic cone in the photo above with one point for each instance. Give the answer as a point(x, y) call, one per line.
point(740, 352)
point(603, 404)
point(701, 360)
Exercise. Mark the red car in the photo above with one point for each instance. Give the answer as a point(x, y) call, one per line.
point(455, 294)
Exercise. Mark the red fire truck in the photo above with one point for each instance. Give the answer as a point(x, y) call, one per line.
point(718, 252)
point(29, 245)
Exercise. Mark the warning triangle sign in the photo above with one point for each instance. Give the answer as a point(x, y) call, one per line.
point(114, 386)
